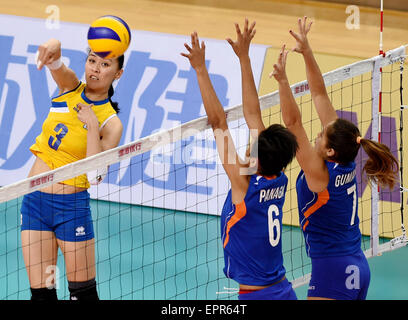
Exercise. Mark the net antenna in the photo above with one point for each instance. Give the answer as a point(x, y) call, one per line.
point(401, 240)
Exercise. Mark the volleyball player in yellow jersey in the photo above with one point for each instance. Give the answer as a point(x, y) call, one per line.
point(81, 122)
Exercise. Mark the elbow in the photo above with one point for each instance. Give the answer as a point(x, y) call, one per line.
point(217, 122)
point(293, 121)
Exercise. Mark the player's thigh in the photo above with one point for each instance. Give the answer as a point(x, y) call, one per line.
point(40, 252)
point(79, 259)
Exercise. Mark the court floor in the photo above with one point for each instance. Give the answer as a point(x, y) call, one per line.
point(146, 253)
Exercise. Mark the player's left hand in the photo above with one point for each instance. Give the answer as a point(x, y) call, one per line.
point(241, 45)
point(86, 114)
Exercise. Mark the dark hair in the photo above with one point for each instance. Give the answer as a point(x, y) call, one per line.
point(277, 147)
point(111, 91)
point(381, 167)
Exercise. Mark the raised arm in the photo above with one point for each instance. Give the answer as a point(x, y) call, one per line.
point(49, 54)
point(250, 99)
point(320, 98)
point(313, 165)
point(217, 120)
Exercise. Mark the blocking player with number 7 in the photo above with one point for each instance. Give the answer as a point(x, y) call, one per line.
point(327, 184)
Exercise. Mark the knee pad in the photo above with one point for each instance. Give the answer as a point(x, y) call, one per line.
point(43, 294)
point(83, 290)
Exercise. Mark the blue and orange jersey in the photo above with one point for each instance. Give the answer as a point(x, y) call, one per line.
point(64, 137)
point(329, 219)
point(251, 232)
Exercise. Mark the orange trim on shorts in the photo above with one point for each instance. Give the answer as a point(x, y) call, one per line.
point(322, 198)
point(240, 212)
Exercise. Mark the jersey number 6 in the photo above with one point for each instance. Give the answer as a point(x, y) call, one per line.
point(273, 224)
point(62, 129)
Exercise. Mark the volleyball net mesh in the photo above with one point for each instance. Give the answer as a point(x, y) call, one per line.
point(156, 214)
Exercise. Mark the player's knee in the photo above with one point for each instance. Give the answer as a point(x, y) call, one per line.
point(83, 290)
point(43, 294)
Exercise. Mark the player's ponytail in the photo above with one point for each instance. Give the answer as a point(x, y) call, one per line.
point(381, 166)
point(115, 105)
point(344, 138)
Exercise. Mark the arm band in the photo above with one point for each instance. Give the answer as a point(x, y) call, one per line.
point(55, 64)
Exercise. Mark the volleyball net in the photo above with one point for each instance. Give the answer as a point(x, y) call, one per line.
point(156, 213)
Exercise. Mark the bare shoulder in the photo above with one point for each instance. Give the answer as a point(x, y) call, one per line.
point(111, 133)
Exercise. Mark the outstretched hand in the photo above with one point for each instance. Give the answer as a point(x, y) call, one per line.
point(302, 43)
point(241, 45)
point(48, 52)
point(196, 54)
point(279, 68)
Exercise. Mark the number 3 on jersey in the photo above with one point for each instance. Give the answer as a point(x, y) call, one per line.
point(273, 224)
point(61, 130)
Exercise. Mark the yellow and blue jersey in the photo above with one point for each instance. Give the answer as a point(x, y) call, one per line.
point(63, 139)
point(329, 219)
point(251, 232)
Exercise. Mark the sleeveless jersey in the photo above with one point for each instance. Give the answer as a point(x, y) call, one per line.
point(63, 138)
point(251, 232)
point(329, 218)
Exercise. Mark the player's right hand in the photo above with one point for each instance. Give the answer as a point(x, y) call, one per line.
point(48, 52)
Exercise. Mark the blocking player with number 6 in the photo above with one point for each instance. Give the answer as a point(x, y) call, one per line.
point(251, 219)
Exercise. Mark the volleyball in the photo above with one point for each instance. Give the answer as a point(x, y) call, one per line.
point(109, 37)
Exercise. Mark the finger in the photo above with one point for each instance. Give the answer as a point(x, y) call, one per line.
point(229, 40)
point(246, 26)
point(253, 34)
point(295, 35)
point(41, 57)
point(304, 23)
point(272, 74)
point(237, 29)
point(185, 55)
point(285, 55)
point(48, 59)
point(202, 45)
point(309, 26)
point(37, 62)
point(251, 28)
point(192, 40)
point(196, 40)
point(188, 47)
point(83, 106)
point(281, 53)
point(300, 24)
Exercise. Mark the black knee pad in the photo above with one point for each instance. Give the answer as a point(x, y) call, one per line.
point(83, 290)
point(43, 294)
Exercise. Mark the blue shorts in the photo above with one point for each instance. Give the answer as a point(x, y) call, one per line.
point(340, 278)
point(280, 291)
point(67, 215)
